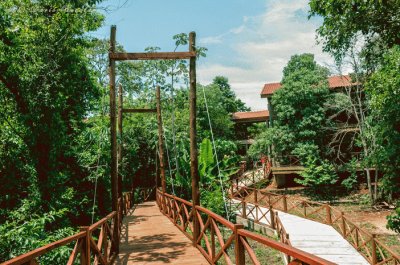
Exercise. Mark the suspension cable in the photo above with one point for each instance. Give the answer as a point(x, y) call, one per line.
point(215, 154)
point(169, 164)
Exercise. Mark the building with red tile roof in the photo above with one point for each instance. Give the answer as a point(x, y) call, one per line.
point(251, 116)
point(337, 81)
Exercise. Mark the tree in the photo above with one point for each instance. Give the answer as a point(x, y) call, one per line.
point(230, 102)
point(44, 78)
point(298, 105)
point(344, 21)
point(383, 87)
point(300, 120)
point(349, 110)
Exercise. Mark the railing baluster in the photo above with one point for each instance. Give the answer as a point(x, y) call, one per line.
point(373, 249)
point(239, 248)
point(284, 204)
point(85, 251)
point(328, 214)
point(343, 224)
point(212, 242)
point(244, 215)
point(272, 217)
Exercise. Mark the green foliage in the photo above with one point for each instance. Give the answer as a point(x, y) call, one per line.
point(351, 181)
point(345, 21)
point(26, 229)
point(262, 143)
point(317, 172)
point(394, 219)
point(212, 181)
point(54, 124)
point(206, 157)
point(299, 115)
point(229, 101)
point(47, 84)
point(383, 88)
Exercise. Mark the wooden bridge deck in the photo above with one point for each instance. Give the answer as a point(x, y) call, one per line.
point(148, 237)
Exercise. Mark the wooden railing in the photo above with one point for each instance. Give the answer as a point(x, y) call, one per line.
point(249, 178)
point(95, 244)
point(366, 243)
point(220, 240)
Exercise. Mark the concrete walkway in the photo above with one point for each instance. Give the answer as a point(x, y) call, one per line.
point(319, 239)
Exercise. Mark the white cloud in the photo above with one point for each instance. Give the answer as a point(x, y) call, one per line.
point(262, 46)
point(210, 40)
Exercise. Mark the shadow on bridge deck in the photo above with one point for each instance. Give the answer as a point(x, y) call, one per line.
point(148, 237)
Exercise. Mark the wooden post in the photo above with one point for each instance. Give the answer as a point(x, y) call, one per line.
point(239, 248)
point(285, 203)
point(373, 250)
point(328, 214)
point(161, 146)
point(212, 242)
point(356, 240)
point(257, 208)
point(244, 215)
point(120, 140)
point(255, 196)
point(193, 143)
point(272, 217)
point(287, 243)
point(113, 124)
point(85, 252)
point(343, 224)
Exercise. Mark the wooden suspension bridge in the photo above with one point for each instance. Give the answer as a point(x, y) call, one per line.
point(171, 230)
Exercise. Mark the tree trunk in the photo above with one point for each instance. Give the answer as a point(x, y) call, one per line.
point(376, 183)
point(371, 194)
point(42, 152)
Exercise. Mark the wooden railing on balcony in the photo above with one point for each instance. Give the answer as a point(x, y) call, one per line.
point(94, 244)
point(365, 242)
point(222, 241)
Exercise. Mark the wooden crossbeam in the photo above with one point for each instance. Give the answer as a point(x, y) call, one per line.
point(122, 56)
point(139, 110)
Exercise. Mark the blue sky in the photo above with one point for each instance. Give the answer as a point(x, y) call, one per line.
point(248, 41)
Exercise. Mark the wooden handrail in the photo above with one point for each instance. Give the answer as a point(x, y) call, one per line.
point(216, 217)
point(84, 241)
point(210, 234)
point(293, 252)
point(332, 218)
point(102, 221)
point(24, 258)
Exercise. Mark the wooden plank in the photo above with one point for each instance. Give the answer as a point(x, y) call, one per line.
point(122, 56)
point(151, 238)
point(139, 110)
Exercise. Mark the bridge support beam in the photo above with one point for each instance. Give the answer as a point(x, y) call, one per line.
point(119, 165)
point(160, 142)
point(113, 124)
point(193, 143)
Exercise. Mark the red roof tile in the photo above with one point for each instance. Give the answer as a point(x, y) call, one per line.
point(339, 81)
point(270, 88)
point(250, 116)
point(334, 82)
